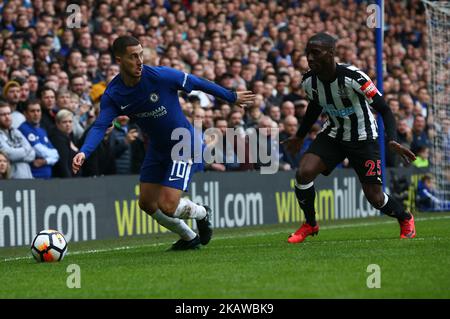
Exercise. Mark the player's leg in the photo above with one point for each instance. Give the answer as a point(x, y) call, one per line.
point(364, 157)
point(176, 181)
point(171, 203)
point(148, 202)
point(311, 165)
point(321, 158)
point(390, 207)
point(153, 172)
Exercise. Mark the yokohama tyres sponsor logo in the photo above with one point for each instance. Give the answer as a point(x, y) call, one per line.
point(369, 89)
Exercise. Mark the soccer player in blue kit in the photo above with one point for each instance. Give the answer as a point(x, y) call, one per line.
point(150, 95)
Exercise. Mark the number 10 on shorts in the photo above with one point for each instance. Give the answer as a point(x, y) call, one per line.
point(179, 169)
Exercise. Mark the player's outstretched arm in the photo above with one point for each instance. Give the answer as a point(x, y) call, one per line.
point(77, 162)
point(98, 130)
point(244, 98)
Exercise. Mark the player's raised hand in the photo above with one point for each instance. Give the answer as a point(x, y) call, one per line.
point(405, 153)
point(77, 162)
point(292, 144)
point(244, 98)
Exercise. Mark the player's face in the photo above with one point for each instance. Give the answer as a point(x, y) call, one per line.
point(319, 57)
point(131, 62)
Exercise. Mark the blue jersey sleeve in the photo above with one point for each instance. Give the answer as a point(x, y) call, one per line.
point(108, 113)
point(188, 82)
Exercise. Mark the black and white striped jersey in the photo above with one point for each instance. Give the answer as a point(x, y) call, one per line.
point(346, 101)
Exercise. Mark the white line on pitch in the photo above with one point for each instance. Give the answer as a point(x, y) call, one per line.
point(262, 233)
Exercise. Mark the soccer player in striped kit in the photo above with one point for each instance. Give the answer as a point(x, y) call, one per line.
point(345, 94)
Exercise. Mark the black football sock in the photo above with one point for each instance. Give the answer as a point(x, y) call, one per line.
point(394, 209)
point(306, 194)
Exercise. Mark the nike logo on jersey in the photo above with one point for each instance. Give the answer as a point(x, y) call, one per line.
point(171, 179)
point(123, 107)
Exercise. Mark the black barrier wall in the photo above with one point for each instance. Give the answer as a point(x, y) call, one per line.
point(107, 207)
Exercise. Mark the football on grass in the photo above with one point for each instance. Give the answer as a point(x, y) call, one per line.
point(49, 245)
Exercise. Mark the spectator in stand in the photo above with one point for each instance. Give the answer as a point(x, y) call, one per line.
point(265, 148)
point(428, 198)
point(290, 126)
point(422, 157)
point(73, 60)
point(301, 106)
point(208, 121)
point(46, 154)
point(223, 157)
point(48, 105)
point(11, 92)
point(287, 108)
point(198, 116)
point(254, 115)
point(404, 137)
point(24, 94)
point(5, 166)
point(423, 99)
point(419, 134)
point(274, 113)
point(63, 80)
point(62, 139)
point(240, 142)
point(123, 136)
point(79, 87)
point(33, 83)
point(406, 108)
point(99, 88)
point(15, 145)
point(235, 71)
point(64, 102)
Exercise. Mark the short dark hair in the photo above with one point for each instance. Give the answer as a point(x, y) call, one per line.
point(121, 43)
point(45, 89)
point(32, 102)
point(324, 39)
point(220, 118)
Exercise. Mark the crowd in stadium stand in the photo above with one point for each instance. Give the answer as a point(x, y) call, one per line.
point(56, 63)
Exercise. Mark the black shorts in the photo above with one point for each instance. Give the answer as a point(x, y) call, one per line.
point(364, 156)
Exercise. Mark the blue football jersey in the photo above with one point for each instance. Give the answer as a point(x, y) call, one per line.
point(153, 103)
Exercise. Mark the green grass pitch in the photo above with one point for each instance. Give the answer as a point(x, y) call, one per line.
point(253, 262)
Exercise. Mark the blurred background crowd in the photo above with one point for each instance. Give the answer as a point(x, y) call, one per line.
point(56, 62)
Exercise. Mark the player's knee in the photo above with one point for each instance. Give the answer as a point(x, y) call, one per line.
point(147, 206)
point(168, 206)
point(303, 176)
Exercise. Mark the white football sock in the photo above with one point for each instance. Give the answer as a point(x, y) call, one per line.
point(175, 225)
point(189, 210)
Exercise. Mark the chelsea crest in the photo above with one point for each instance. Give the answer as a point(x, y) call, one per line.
point(154, 97)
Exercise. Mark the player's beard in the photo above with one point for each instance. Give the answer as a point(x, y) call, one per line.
point(133, 74)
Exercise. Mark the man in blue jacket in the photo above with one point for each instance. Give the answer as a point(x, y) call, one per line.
point(46, 154)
